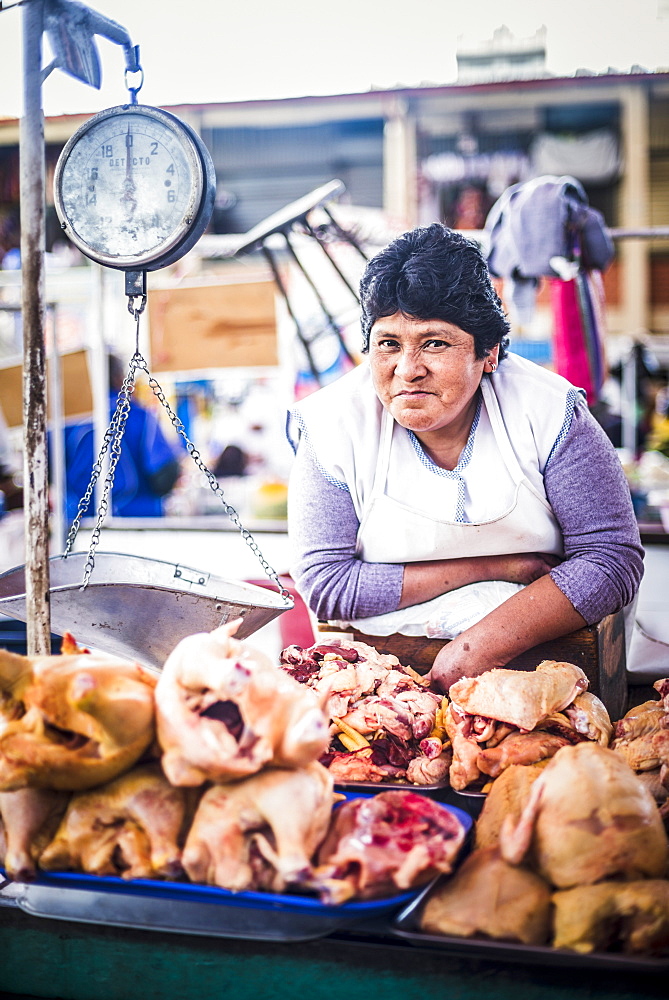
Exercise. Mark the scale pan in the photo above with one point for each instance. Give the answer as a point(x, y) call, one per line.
point(140, 608)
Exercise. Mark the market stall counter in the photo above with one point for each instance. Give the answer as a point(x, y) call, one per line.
point(282, 871)
point(74, 961)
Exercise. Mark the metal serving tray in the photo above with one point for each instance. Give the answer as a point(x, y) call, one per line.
point(140, 608)
point(386, 786)
point(194, 909)
point(406, 925)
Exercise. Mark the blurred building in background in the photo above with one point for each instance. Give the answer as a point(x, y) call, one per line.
point(440, 152)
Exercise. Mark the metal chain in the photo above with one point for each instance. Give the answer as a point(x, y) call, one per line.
point(112, 441)
point(213, 482)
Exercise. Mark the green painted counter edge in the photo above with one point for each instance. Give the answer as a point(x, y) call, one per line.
point(72, 961)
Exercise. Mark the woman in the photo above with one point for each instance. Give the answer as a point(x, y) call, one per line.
point(443, 461)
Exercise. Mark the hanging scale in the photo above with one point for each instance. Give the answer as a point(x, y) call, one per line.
point(134, 189)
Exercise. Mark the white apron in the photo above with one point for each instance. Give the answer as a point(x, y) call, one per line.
point(394, 532)
point(391, 531)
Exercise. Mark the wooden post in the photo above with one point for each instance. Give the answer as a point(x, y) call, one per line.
point(36, 486)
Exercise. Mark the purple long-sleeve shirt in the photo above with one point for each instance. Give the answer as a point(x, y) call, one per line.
point(585, 486)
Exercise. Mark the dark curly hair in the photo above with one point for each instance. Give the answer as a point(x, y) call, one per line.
point(435, 273)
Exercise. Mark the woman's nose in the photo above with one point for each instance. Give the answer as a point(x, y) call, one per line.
point(409, 365)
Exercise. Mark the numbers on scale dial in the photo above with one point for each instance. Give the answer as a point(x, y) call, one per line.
point(130, 187)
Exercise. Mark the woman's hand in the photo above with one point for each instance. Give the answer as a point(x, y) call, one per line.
point(536, 614)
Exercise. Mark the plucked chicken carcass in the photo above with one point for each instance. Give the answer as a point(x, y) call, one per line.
point(506, 717)
point(371, 694)
point(223, 711)
point(29, 818)
point(507, 797)
point(588, 818)
point(261, 832)
point(630, 916)
point(642, 736)
point(72, 721)
point(132, 827)
point(388, 842)
point(491, 897)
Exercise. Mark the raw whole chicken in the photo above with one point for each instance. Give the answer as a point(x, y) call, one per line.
point(72, 721)
point(588, 818)
point(491, 897)
point(261, 832)
point(223, 711)
point(132, 827)
point(631, 916)
point(642, 736)
point(29, 818)
point(388, 842)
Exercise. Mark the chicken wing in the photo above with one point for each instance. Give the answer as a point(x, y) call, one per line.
point(519, 748)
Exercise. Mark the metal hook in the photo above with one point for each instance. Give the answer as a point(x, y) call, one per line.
point(134, 310)
point(133, 91)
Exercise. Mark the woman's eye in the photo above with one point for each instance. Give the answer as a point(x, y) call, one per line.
point(387, 344)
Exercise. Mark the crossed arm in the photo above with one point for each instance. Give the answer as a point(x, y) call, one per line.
point(600, 573)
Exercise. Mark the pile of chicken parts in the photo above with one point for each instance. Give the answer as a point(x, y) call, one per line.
point(209, 772)
point(572, 851)
point(509, 717)
point(385, 723)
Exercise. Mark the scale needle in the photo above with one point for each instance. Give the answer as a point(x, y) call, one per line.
point(129, 186)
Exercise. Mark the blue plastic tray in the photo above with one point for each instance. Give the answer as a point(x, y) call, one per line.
point(189, 907)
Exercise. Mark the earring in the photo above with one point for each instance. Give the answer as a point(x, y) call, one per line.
point(493, 367)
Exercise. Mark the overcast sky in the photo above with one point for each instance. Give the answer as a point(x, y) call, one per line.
point(204, 51)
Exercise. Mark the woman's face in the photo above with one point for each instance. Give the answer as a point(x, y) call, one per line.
point(425, 371)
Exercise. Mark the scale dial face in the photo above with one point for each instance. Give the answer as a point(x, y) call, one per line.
point(130, 187)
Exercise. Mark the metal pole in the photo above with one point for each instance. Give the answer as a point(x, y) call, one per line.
point(629, 402)
point(36, 500)
point(57, 407)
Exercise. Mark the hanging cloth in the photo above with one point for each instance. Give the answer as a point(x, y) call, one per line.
point(535, 223)
point(578, 331)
